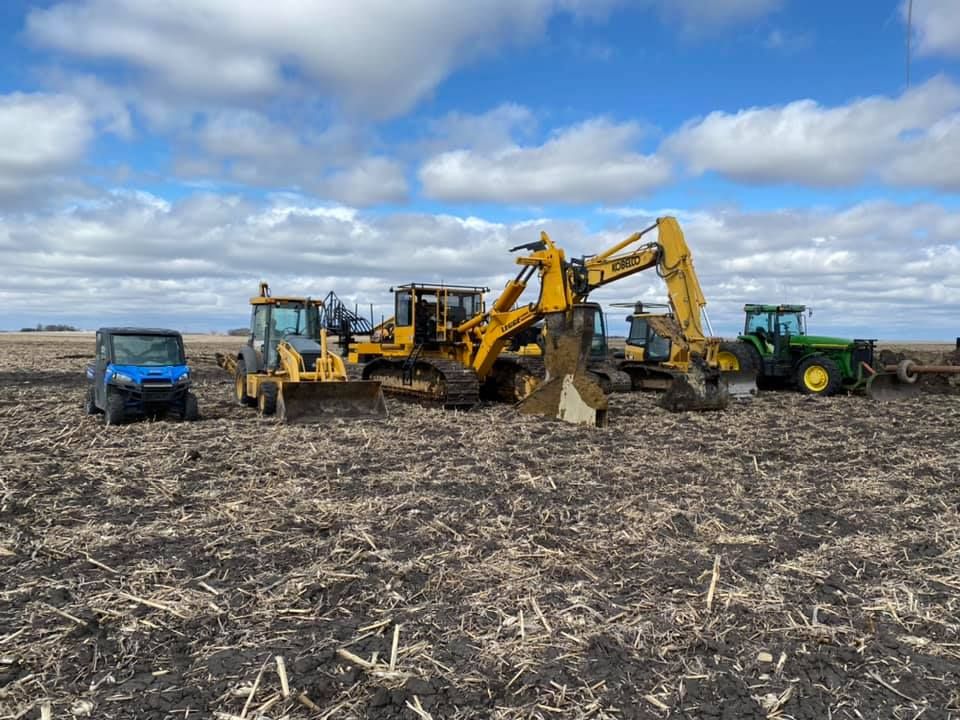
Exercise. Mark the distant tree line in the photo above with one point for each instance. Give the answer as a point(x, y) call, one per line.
point(239, 332)
point(49, 328)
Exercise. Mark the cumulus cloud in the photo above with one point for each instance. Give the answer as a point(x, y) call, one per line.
point(41, 137)
point(804, 142)
point(936, 24)
point(879, 269)
point(376, 56)
point(593, 161)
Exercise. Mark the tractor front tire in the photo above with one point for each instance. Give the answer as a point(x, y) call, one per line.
point(267, 398)
point(115, 412)
point(191, 409)
point(90, 403)
point(240, 385)
point(818, 375)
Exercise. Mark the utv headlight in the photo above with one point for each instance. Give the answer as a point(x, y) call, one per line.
point(123, 377)
point(183, 377)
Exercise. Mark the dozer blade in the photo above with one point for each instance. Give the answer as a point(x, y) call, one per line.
point(316, 402)
point(697, 389)
point(886, 386)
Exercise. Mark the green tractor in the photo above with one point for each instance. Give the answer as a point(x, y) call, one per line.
point(775, 342)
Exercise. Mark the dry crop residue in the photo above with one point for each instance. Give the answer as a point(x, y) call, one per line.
point(793, 558)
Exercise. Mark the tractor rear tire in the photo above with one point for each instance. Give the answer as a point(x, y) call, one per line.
point(115, 411)
point(818, 375)
point(90, 403)
point(267, 398)
point(191, 409)
point(240, 385)
point(739, 357)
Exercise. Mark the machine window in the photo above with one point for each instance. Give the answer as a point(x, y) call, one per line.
point(148, 350)
point(791, 324)
point(404, 308)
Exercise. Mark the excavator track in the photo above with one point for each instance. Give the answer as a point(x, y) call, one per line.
point(443, 382)
point(609, 378)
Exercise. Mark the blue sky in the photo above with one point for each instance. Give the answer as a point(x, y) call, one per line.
point(156, 163)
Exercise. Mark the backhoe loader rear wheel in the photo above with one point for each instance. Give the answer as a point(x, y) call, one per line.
point(818, 375)
point(240, 385)
point(267, 398)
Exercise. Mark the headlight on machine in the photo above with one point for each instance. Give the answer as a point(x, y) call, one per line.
point(183, 377)
point(123, 377)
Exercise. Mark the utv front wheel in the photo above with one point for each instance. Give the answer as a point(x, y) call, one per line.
point(191, 410)
point(114, 413)
point(818, 376)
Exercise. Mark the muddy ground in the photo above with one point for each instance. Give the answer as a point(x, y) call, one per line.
point(789, 558)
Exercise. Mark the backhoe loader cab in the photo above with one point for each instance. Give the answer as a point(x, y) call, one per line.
point(286, 368)
point(775, 341)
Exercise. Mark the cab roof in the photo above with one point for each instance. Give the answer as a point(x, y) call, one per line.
point(452, 289)
point(774, 308)
point(138, 331)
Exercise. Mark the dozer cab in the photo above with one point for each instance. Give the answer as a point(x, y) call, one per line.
point(286, 367)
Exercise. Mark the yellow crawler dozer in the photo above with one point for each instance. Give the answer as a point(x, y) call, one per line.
point(286, 368)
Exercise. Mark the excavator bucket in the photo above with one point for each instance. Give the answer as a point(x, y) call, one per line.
point(569, 392)
point(316, 402)
point(886, 386)
point(741, 384)
point(699, 388)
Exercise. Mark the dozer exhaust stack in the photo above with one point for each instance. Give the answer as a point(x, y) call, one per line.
point(315, 402)
point(568, 392)
point(700, 388)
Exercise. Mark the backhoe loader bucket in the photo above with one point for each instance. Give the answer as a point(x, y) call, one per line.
point(886, 386)
point(315, 402)
point(698, 389)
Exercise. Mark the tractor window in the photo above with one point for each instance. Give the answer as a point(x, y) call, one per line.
point(151, 350)
point(791, 324)
point(758, 322)
point(404, 309)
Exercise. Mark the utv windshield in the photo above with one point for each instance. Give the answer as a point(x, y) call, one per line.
point(153, 350)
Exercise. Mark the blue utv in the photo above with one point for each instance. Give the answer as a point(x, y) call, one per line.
point(139, 372)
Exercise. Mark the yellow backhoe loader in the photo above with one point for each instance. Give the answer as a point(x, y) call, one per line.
point(287, 369)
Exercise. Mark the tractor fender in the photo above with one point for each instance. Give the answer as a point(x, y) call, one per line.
point(249, 357)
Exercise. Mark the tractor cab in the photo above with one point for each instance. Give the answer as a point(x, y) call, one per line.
point(426, 315)
point(774, 326)
point(274, 318)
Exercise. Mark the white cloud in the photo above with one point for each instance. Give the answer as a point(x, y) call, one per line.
point(376, 55)
point(936, 23)
point(41, 136)
point(593, 161)
point(877, 269)
point(804, 142)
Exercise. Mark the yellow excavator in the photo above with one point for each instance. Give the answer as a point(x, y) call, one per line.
point(286, 367)
point(443, 345)
point(664, 349)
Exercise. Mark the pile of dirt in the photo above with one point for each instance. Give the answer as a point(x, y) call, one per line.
point(790, 557)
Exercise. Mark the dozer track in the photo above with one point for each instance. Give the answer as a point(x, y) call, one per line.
point(444, 382)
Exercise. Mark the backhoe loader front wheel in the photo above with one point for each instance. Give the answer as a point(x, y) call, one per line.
point(818, 376)
point(267, 398)
point(240, 385)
